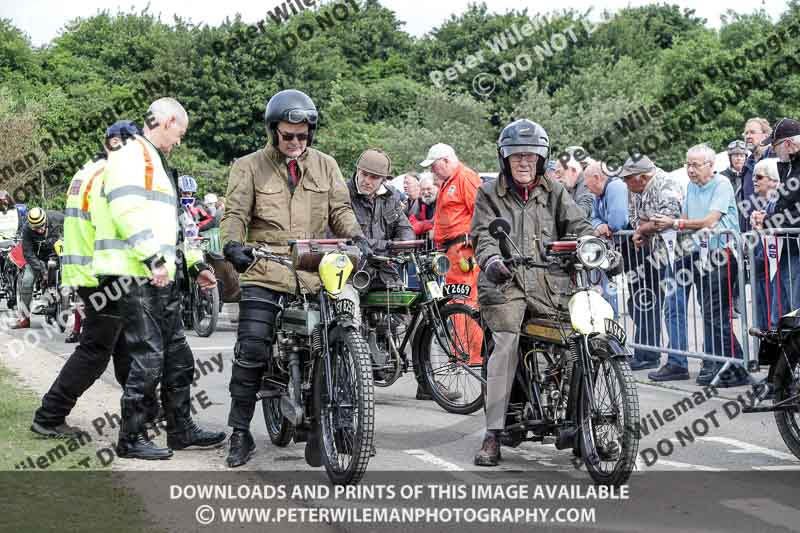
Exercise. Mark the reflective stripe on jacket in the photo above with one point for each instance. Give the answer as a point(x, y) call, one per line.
point(135, 212)
point(76, 260)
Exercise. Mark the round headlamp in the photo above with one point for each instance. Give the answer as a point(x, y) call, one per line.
point(592, 252)
point(440, 264)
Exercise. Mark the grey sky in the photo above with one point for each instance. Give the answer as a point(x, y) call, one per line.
point(43, 19)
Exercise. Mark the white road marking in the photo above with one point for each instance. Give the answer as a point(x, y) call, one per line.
point(768, 511)
point(688, 466)
point(745, 447)
point(428, 457)
point(777, 467)
point(211, 348)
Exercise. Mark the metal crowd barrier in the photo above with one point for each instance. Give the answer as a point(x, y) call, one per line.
point(662, 297)
point(775, 274)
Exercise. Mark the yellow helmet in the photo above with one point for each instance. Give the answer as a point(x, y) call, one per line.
point(37, 218)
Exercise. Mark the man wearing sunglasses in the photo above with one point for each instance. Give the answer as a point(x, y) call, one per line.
point(284, 191)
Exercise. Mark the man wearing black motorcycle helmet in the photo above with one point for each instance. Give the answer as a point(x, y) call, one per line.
point(284, 191)
point(539, 209)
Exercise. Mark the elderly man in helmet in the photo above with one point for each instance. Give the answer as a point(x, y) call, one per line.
point(39, 236)
point(539, 209)
point(284, 191)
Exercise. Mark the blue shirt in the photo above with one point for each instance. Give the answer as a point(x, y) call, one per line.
point(612, 206)
point(716, 195)
point(748, 189)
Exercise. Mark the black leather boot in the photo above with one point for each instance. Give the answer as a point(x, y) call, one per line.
point(194, 436)
point(59, 431)
point(489, 454)
point(136, 446)
point(242, 448)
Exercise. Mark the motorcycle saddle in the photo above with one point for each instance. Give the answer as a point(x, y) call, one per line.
point(546, 329)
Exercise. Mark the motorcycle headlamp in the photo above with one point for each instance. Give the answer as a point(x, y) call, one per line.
point(592, 252)
point(440, 264)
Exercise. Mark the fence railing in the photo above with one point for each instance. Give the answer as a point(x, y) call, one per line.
point(684, 294)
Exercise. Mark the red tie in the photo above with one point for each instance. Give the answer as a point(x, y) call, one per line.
point(293, 171)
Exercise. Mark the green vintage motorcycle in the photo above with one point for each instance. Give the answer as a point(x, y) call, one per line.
point(428, 320)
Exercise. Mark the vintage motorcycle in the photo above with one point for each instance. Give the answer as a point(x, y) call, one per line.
point(49, 299)
point(573, 381)
point(9, 270)
point(430, 320)
point(780, 349)
point(320, 376)
point(201, 307)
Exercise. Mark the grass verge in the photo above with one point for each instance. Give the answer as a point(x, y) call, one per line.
point(54, 491)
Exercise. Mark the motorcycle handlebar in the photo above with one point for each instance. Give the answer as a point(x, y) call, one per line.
point(406, 244)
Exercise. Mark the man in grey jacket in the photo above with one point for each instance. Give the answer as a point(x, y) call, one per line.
point(538, 209)
point(570, 174)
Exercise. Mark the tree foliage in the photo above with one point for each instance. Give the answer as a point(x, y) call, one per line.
point(374, 86)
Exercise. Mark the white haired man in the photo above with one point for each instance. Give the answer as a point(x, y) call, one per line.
point(710, 204)
point(570, 174)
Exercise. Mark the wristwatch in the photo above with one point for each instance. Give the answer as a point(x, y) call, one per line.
point(675, 224)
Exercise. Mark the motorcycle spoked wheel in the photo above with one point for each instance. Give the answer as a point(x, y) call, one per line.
point(279, 429)
point(613, 438)
point(789, 387)
point(346, 427)
point(205, 311)
point(442, 361)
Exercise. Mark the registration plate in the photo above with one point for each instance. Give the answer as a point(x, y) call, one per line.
point(615, 330)
point(344, 306)
point(457, 289)
point(435, 289)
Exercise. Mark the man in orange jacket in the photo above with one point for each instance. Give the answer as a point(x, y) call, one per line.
point(455, 205)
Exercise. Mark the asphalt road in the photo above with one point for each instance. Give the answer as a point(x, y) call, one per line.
point(707, 437)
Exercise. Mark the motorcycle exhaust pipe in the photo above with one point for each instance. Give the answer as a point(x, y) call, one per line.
point(361, 279)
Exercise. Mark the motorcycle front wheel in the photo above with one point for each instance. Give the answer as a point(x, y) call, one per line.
point(345, 414)
point(787, 391)
point(205, 311)
point(608, 440)
point(444, 352)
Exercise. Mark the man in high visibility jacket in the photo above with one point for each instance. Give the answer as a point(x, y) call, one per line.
point(102, 327)
point(136, 242)
point(455, 205)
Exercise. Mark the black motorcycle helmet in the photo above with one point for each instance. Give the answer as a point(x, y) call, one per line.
point(522, 136)
point(291, 106)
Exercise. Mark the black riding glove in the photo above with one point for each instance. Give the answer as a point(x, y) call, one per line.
point(496, 271)
point(239, 255)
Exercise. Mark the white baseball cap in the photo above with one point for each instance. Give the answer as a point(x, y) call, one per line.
point(438, 151)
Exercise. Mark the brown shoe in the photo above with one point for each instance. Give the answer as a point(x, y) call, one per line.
point(22, 323)
point(489, 454)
